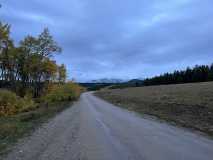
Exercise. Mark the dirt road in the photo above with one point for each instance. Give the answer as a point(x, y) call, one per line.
point(95, 130)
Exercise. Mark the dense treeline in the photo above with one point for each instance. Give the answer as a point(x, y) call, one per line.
point(200, 73)
point(29, 67)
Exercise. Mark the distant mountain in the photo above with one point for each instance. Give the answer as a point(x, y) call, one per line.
point(113, 83)
point(135, 81)
point(107, 80)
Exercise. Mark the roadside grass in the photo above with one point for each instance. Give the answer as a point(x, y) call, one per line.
point(15, 127)
point(187, 105)
point(20, 115)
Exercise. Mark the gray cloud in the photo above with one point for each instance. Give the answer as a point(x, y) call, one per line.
point(119, 39)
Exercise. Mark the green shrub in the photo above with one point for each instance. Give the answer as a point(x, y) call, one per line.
point(11, 104)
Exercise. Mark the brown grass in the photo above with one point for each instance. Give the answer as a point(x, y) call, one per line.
point(189, 105)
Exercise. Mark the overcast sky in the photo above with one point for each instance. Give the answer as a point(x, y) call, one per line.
point(119, 38)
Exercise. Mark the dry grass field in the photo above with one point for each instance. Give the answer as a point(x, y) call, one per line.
point(188, 105)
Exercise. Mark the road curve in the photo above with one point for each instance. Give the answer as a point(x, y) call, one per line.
point(95, 130)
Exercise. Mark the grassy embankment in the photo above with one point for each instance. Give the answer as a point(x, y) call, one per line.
point(19, 116)
point(187, 105)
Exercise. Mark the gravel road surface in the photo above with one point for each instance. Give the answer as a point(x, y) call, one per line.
point(95, 130)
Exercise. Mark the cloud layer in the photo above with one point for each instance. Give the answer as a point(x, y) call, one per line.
point(119, 39)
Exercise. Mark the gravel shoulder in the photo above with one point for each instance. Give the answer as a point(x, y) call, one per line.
point(53, 140)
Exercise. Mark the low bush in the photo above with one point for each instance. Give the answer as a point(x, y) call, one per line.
point(62, 92)
point(11, 104)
